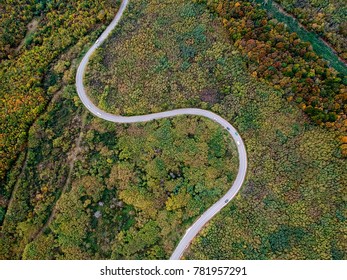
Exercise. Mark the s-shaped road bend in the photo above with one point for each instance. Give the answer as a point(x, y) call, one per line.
point(215, 208)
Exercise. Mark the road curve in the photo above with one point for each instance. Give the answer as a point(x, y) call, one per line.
point(215, 208)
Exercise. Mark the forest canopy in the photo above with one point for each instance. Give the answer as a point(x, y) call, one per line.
point(84, 188)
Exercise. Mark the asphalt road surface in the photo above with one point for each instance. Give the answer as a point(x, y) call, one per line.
point(215, 208)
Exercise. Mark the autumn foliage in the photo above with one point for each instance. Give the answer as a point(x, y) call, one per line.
point(26, 87)
point(282, 59)
point(326, 18)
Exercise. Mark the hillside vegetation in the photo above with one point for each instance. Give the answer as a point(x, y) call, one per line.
point(26, 86)
point(295, 193)
point(130, 191)
point(135, 189)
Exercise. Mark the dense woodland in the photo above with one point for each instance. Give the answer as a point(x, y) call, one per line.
point(86, 188)
point(25, 88)
point(297, 177)
point(326, 18)
point(136, 188)
point(132, 190)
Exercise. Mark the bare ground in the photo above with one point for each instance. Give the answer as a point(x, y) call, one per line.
point(32, 26)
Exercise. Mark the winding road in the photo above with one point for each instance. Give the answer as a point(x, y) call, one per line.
point(215, 208)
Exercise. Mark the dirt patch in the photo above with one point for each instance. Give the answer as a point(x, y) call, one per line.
point(31, 27)
point(209, 95)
